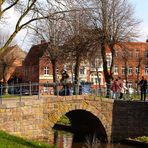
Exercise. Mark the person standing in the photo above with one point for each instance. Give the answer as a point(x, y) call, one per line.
point(143, 87)
point(120, 82)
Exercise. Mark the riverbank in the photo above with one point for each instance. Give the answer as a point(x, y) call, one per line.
point(135, 142)
point(11, 141)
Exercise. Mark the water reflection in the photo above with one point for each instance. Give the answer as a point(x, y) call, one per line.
point(64, 139)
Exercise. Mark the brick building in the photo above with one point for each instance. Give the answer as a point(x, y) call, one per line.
point(38, 67)
point(11, 64)
point(134, 56)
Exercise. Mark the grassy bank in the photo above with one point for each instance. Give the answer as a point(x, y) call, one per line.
point(142, 139)
point(10, 141)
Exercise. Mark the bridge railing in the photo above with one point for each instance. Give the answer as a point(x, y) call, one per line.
point(19, 90)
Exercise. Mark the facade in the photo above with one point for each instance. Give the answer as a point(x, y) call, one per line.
point(133, 56)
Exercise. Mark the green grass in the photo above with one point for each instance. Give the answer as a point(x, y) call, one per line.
point(10, 141)
point(142, 139)
point(64, 120)
point(10, 96)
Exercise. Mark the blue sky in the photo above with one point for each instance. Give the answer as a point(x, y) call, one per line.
point(141, 9)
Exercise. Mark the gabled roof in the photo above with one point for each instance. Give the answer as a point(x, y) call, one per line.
point(35, 53)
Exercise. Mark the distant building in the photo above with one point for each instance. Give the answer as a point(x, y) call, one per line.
point(38, 67)
point(11, 64)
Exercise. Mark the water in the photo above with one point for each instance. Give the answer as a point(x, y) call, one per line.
point(65, 140)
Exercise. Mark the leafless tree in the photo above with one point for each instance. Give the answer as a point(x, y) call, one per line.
point(116, 21)
point(8, 64)
point(29, 11)
point(3, 38)
point(80, 41)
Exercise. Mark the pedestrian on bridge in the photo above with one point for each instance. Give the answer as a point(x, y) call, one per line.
point(115, 89)
point(143, 87)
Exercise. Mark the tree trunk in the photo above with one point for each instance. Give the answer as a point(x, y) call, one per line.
point(54, 68)
point(126, 71)
point(76, 80)
point(105, 70)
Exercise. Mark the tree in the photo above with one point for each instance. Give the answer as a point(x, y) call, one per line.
point(80, 41)
point(54, 32)
point(116, 21)
point(3, 38)
point(8, 64)
point(29, 11)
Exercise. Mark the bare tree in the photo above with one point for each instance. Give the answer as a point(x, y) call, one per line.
point(116, 21)
point(29, 11)
point(3, 38)
point(8, 64)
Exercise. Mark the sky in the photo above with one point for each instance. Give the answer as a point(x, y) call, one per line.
point(141, 7)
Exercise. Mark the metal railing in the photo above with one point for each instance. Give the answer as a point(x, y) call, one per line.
point(58, 89)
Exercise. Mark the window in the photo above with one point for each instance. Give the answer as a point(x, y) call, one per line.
point(115, 70)
point(146, 70)
point(82, 70)
point(46, 71)
point(146, 54)
point(123, 70)
point(92, 80)
point(130, 70)
point(97, 62)
point(108, 59)
point(130, 54)
point(96, 80)
point(137, 53)
point(116, 53)
point(45, 89)
point(137, 70)
point(129, 84)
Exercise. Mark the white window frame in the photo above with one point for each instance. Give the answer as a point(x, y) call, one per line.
point(82, 71)
point(146, 54)
point(137, 70)
point(130, 71)
point(146, 70)
point(130, 85)
point(123, 70)
point(115, 70)
point(46, 70)
point(137, 53)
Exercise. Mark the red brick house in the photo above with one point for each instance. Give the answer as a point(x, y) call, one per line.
point(38, 67)
point(135, 55)
point(11, 64)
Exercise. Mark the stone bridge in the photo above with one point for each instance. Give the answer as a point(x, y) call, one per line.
point(111, 120)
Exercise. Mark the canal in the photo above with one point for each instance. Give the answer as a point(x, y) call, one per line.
point(64, 139)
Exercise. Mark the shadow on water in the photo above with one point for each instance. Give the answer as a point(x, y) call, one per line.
point(66, 139)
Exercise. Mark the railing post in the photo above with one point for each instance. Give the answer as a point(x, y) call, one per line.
point(38, 91)
point(1, 93)
point(20, 93)
point(57, 89)
point(30, 88)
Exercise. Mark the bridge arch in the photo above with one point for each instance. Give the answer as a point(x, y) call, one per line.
point(81, 110)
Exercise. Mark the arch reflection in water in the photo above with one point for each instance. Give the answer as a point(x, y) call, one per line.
point(63, 139)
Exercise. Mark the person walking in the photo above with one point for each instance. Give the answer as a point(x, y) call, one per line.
point(143, 87)
point(123, 89)
point(115, 89)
